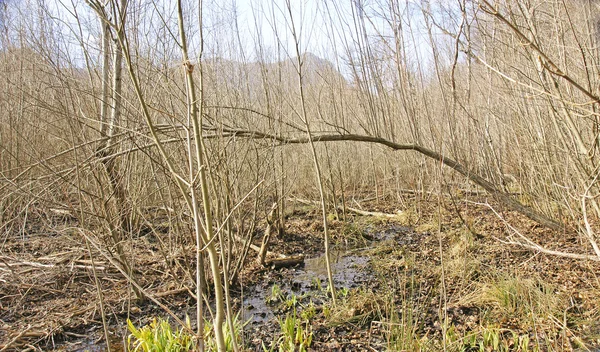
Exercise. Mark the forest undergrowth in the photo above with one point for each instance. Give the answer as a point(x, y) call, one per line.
point(431, 280)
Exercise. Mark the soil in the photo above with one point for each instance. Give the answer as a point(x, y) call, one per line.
point(428, 261)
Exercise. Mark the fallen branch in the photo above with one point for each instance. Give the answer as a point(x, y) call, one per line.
point(284, 262)
point(354, 210)
point(130, 279)
point(538, 248)
point(497, 193)
point(25, 263)
point(48, 266)
point(13, 341)
point(531, 245)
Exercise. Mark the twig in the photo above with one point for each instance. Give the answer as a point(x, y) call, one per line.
point(589, 232)
point(11, 342)
point(541, 249)
point(3, 263)
point(34, 264)
point(131, 280)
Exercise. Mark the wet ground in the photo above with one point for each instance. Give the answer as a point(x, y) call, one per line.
point(309, 280)
point(306, 287)
point(350, 268)
point(381, 270)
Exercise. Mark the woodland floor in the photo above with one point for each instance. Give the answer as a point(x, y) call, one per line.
point(405, 283)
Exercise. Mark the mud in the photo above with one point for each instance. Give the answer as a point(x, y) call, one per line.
point(310, 280)
point(307, 285)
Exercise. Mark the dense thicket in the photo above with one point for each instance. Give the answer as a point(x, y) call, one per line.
point(508, 90)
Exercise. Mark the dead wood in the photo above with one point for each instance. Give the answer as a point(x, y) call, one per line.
point(277, 263)
point(13, 342)
point(504, 198)
point(354, 210)
point(528, 244)
point(262, 253)
point(255, 247)
point(10, 265)
point(538, 248)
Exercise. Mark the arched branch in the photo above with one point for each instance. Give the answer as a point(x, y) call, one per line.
point(501, 196)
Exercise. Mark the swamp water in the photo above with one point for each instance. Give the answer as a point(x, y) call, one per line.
point(307, 283)
point(351, 269)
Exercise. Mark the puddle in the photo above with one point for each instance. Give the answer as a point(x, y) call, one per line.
point(350, 270)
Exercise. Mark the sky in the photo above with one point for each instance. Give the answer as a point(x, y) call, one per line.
point(326, 28)
point(309, 19)
point(244, 30)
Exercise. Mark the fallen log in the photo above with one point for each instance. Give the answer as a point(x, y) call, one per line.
point(353, 210)
point(286, 262)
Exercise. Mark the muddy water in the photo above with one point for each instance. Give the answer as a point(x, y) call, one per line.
point(309, 282)
point(255, 307)
point(402, 234)
point(349, 271)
